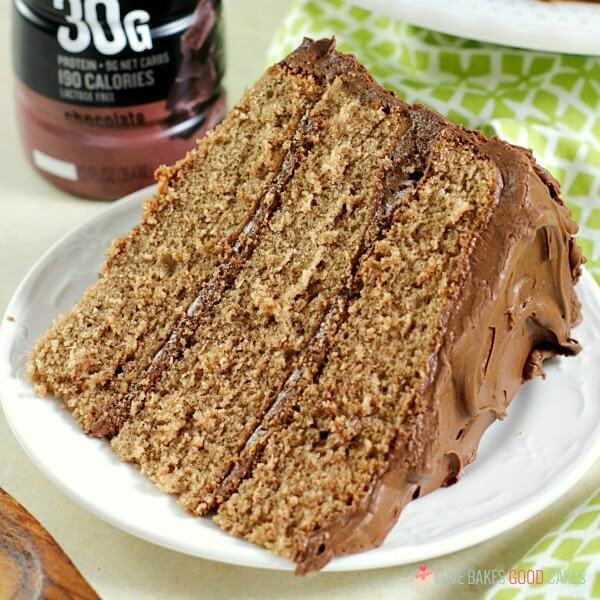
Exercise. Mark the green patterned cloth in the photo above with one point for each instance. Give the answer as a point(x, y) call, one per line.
point(568, 558)
point(547, 102)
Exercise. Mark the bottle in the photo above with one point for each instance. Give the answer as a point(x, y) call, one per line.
point(108, 90)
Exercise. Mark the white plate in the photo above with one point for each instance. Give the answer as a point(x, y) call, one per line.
point(570, 27)
point(549, 440)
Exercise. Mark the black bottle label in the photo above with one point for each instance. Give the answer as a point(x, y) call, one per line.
point(111, 53)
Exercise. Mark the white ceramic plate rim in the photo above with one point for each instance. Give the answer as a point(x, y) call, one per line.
point(257, 557)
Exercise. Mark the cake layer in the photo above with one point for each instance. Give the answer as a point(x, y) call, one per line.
point(90, 356)
point(410, 382)
point(186, 433)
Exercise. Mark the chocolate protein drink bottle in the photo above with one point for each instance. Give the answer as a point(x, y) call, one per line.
point(107, 90)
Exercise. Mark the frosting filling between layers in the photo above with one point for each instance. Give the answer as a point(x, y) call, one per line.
point(110, 421)
point(409, 161)
point(343, 425)
point(197, 415)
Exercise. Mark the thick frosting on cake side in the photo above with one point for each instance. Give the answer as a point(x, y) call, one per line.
point(516, 308)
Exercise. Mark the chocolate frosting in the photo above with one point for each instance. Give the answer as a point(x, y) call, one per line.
point(515, 309)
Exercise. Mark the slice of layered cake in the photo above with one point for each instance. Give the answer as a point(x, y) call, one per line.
point(324, 307)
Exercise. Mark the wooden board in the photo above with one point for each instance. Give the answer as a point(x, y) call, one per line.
point(32, 564)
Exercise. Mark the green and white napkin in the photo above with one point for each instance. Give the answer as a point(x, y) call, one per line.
point(547, 102)
point(568, 559)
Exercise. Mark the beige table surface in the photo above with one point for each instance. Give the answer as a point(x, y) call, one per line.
point(33, 215)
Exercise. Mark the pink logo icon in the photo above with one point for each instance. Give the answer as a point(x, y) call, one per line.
point(423, 574)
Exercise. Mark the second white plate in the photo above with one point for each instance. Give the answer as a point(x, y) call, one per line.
point(558, 26)
point(549, 439)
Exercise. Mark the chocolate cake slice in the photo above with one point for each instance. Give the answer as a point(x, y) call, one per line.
point(323, 309)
